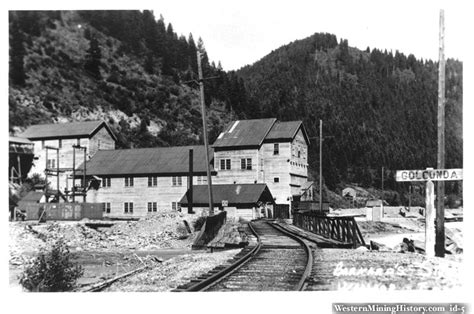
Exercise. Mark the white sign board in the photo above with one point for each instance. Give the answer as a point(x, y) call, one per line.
point(431, 174)
point(225, 203)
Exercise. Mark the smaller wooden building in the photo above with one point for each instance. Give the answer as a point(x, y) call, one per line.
point(246, 201)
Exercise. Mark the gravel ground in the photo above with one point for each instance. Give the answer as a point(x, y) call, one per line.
point(173, 272)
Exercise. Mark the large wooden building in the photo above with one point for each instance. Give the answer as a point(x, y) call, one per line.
point(263, 151)
point(138, 182)
point(93, 135)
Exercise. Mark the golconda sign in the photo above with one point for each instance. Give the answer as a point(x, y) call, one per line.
point(432, 174)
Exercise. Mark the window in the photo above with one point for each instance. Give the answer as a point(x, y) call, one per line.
point(106, 182)
point(128, 181)
point(152, 207)
point(225, 164)
point(201, 180)
point(128, 207)
point(51, 163)
point(42, 144)
point(276, 149)
point(246, 164)
point(106, 208)
point(176, 206)
point(299, 153)
point(276, 180)
point(152, 181)
point(60, 143)
point(177, 181)
point(78, 141)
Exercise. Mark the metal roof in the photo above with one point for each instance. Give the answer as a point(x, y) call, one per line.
point(286, 131)
point(32, 196)
point(20, 140)
point(233, 193)
point(65, 130)
point(244, 133)
point(144, 161)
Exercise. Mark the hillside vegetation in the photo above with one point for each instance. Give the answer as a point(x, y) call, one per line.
point(121, 66)
point(379, 109)
point(132, 70)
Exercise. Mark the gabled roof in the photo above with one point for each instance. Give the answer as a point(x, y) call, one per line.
point(244, 133)
point(285, 131)
point(235, 194)
point(20, 140)
point(146, 161)
point(65, 130)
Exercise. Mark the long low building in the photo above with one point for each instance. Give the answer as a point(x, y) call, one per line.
point(136, 182)
point(248, 201)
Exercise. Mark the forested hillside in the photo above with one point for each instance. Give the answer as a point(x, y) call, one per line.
point(379, 108)
point(132, 70)
point(125, 67)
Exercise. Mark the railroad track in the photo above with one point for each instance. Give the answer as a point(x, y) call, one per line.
point(280, 261)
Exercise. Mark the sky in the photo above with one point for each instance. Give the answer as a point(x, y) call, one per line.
point(238, 33)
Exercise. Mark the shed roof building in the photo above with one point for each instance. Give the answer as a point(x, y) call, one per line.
point(237, 195)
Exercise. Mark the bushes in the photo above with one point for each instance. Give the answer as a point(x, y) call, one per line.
point(51, 271)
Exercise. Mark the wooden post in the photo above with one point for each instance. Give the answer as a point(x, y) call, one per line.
point(320, 166)
point(19, 169)
point(57, 174)
point(439, 248)
point(204, 135)
point(190, 183)
point(382, 191)
point(429, 220)
point(73, 174)
point(84, 177)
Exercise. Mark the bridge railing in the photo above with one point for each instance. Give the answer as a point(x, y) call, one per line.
point(343, 229)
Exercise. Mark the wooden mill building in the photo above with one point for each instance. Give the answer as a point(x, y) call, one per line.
point(136, 182)
point(263, 151)
point(92, 135)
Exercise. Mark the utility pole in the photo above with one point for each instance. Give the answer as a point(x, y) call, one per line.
point(382, 189)
point(439, 244)
point(320, 165)
point(204, 134)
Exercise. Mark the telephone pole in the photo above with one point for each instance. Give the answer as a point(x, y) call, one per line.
point(204, 134)
point(439, 243)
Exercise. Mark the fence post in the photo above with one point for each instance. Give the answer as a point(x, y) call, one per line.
point(354, 234)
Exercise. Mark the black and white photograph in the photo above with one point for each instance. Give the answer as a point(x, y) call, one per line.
point(286, 153)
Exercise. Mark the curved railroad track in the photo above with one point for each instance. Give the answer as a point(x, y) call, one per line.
point(280, 261)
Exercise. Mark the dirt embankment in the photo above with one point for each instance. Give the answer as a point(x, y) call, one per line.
point(104, 252)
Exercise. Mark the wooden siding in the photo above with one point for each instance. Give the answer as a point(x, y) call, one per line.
point(65, 159)
point(101, 141)
point(66, 155)
point(299, 165)
point(290, 169)
point(140, 194)
point(236, 174)
point(277, 166)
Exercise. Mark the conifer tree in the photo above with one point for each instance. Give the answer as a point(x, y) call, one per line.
point(93, 59)
point(17, 53)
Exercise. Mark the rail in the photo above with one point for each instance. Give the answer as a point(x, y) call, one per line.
point(309, 264)
point(227, 272)
point(210, 281)
point(343, 229)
